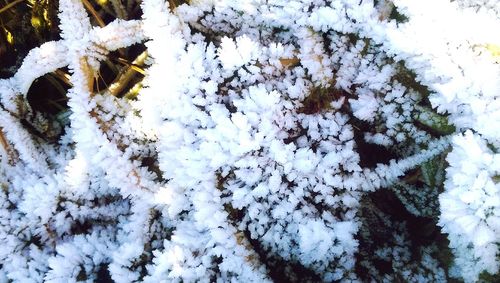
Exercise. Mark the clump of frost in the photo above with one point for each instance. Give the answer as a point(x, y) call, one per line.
point(245, 153)
point(470, 206)
point(400, 256)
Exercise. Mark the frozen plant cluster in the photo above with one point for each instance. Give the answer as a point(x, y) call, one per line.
point(261, 130)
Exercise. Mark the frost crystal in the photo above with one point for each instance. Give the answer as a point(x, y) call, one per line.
point(271, 140)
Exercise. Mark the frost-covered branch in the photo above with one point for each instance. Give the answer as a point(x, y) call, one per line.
point(258, 146)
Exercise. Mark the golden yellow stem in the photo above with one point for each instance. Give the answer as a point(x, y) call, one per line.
point(127, 74)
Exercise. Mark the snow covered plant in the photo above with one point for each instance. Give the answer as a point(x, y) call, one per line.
point(296, 141)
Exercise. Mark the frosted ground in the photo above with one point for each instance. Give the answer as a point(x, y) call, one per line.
point(264, 141)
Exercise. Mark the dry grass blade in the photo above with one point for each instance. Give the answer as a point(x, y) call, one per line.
point(127, 74)
point(135, 65)
point(119, 9)
point(63, 76)
point(10, 5)
point(94, 13)
point(10, 152)
point(133, 92)
point(88, 73)
point(288, 63)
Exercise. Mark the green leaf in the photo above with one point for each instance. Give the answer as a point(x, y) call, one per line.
point(433, 171)
point(433, 121)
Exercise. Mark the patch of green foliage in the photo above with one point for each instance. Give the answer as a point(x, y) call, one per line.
point(432, 121)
